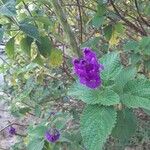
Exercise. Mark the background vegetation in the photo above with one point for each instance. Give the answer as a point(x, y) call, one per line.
point(42, 37)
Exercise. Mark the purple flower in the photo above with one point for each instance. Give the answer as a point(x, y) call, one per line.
point(52, 135)
point(12, 131)
point(88, 69)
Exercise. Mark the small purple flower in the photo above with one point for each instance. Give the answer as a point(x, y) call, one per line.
point(12, 131)
point(52, 113)
point(52, 135)
point(88, 69)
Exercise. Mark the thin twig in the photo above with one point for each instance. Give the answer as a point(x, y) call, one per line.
point(80, 15)
point(11, 124)
point(27, 8)
point(144, 21)
point(127, 22)
point(80, 6)
point(63, 20)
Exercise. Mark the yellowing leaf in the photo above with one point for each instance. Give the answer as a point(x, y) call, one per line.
point(26, 140)
point(56, 58)
point(114, 39)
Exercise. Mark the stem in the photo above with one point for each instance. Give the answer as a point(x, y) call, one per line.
point(63, 20)
point(80, 14)
point(138, 11)
point(127, 22)
point(11, 124)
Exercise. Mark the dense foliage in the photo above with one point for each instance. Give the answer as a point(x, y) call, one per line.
point(76, 98)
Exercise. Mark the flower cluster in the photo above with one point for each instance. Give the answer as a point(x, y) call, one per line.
point(88, 69)
point(52, 135)
point(12, 131)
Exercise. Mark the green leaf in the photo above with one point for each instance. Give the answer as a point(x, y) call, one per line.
point(119, 28)
point(125, 75)
point(108, 30)
point(145, 45)
point(38, 60)
point(133, 101)
point(147, 9)
point(24, 110)
point(125, 126)
point(101, 9)
point(92, 42)
point(1, 34)
point(37, 131)
point(96, 126)
point(10, 47)
point(30, 30)
point(36, 144)
point(37, 111)
point(131, 45)
point(8, 9)
point(97, 21)
point(47, 146)
point(98, 96)
point(147, 64)
point(137, 94)
point(56, 58)
point(25, 44)
point(138, 87)
point(147, 111)
point(44, 20)
point(44, 46)
point(112, 66)
point(135, 58)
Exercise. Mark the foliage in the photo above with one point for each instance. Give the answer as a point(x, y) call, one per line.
point(43, 37)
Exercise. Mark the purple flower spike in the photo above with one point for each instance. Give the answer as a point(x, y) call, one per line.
point(88, 69)
point(12, 131)
point(52, 135)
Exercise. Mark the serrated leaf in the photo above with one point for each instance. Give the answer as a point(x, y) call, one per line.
point(25, 44)
point(96, 125)
point(131, 45)
point(97, 21)
point(98, 96)
point(112, 66)
point(10, 47)
point(138, 87)
point(36, 144)
point(44, 46)
point(30, 30)
point(8, 9)
point(38, 131)
point(135, 58)
point(56, 58)
point(125, 75)
point(125, 126)
point(133, 101)
point(137, 94)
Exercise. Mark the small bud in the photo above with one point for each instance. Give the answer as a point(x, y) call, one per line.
point(52, 135)
point(12, 131)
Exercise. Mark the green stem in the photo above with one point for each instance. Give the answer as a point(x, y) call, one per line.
point(63, 20)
